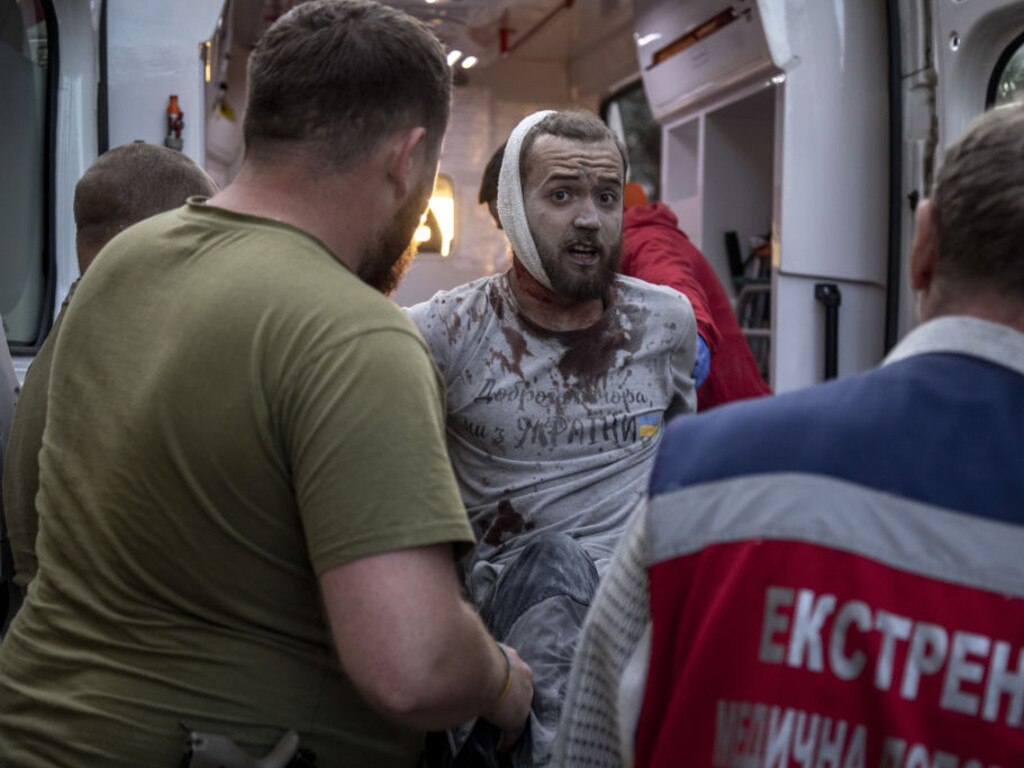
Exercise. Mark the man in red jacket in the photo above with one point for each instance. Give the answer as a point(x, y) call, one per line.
point(656, 250)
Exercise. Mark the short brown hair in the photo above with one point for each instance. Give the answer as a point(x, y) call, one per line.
point(575, 124)
point(489, 183)
point(130, 183)
point(979, 204)
point(339, 76)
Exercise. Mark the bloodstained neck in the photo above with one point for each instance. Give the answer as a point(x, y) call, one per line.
point(548, 309)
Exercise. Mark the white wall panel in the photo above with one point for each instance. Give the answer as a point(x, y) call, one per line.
point(981, 31)
point(832, 218)
point(153, 52)
point(798, 346)
point(76, 126)
point(835, 144)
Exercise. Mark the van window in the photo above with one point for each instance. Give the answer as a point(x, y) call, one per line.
point(25, 38)
point(629, 116)
point(1007, 84)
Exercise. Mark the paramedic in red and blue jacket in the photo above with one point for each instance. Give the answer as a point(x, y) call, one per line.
point(834, 576)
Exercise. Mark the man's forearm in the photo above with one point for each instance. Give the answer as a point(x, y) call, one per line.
point(412, 645)
point(462, 675)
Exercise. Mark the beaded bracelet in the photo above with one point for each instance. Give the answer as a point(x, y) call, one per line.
point(508, 676)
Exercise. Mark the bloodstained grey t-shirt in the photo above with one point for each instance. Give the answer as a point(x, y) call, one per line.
point(557, 431)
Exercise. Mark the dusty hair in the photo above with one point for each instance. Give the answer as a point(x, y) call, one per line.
point(130, 183)
point(979, 204)
point(335, 77)
point(575, 124)
point(489, 182)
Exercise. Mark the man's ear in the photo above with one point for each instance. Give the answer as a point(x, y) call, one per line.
point(401, 155)
point(924, 253)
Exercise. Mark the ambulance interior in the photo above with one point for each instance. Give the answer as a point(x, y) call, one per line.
point(790, 138)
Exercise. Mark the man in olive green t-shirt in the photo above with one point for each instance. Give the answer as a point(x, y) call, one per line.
point(124, 186)
point(247, 515)
point(9, 597)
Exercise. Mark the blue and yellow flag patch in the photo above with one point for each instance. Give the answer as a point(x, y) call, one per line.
point(648, 424)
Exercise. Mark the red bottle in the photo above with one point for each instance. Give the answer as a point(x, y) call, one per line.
point(175, 123)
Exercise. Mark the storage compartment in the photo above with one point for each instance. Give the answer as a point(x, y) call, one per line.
point(739, 142)
point(687, 51)
point(718, 176)
point(681, 174)
point(793, 143)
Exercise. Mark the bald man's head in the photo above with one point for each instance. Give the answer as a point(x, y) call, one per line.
point(128, 184)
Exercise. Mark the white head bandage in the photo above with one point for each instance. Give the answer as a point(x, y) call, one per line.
point(511, 209)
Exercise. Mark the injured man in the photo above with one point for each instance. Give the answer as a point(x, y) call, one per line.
point(560, 375)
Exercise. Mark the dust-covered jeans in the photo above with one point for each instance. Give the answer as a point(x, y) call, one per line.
point(537, 606)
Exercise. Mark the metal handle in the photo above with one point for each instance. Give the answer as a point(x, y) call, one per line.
point(829, 295)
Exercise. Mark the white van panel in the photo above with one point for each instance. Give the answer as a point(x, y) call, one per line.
point(968, 39)
point(76, 127)
point(153, 52)
point(798, 346)
point(726, 57)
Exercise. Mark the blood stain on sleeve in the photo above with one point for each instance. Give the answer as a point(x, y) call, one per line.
point(496, 302)
point(453, 328)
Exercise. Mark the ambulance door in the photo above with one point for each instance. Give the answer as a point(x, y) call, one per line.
point(959, 59)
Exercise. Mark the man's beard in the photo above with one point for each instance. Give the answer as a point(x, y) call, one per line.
point(573, 282)
point(394, 250)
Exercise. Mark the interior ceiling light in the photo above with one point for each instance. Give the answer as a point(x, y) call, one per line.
point(469, 61)
point(454, 56)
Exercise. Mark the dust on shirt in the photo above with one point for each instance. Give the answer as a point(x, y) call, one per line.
point(557, 430)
